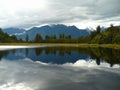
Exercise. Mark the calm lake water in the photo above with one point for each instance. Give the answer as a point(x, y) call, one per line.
point(59, 68)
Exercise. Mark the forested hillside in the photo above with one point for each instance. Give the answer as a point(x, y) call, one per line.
point(110, 36)
point(5, 38)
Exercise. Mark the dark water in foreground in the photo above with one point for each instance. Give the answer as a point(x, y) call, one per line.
point(60, 68)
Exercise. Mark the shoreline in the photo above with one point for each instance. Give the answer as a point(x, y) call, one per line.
point(114, 46)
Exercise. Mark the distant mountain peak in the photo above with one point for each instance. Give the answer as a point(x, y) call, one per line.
point(53, 29)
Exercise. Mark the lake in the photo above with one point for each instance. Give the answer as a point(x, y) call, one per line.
point(59, 68)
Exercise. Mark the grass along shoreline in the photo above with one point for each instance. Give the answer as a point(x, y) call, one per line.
point(114, 46)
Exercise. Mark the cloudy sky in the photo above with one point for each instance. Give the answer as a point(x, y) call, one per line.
point(82, 13)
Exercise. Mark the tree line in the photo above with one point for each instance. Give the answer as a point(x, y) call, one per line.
point(110, 35)
point(50, 39)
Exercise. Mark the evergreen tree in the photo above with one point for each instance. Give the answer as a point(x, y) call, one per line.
point(27, 38)
point(38, 38)
point(98, 29)
point(62, 36)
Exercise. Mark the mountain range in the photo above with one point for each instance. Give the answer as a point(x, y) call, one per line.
point(13, 31)
point(48, 30)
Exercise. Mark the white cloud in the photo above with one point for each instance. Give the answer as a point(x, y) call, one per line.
point(15, 5)
point(27, 13)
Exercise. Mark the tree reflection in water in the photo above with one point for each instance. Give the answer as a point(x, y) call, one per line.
point(111, 56)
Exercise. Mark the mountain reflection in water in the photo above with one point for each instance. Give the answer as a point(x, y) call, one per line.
point(62, 55)
point(60, 68)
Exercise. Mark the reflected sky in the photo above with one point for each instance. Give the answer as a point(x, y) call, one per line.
point(30, 75)
point(40, 69)
point(62, 55)
point(11, 47)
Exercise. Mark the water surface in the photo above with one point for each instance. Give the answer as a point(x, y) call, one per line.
point(59, 68)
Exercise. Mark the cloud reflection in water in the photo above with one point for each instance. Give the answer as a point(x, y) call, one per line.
point(30, 75)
